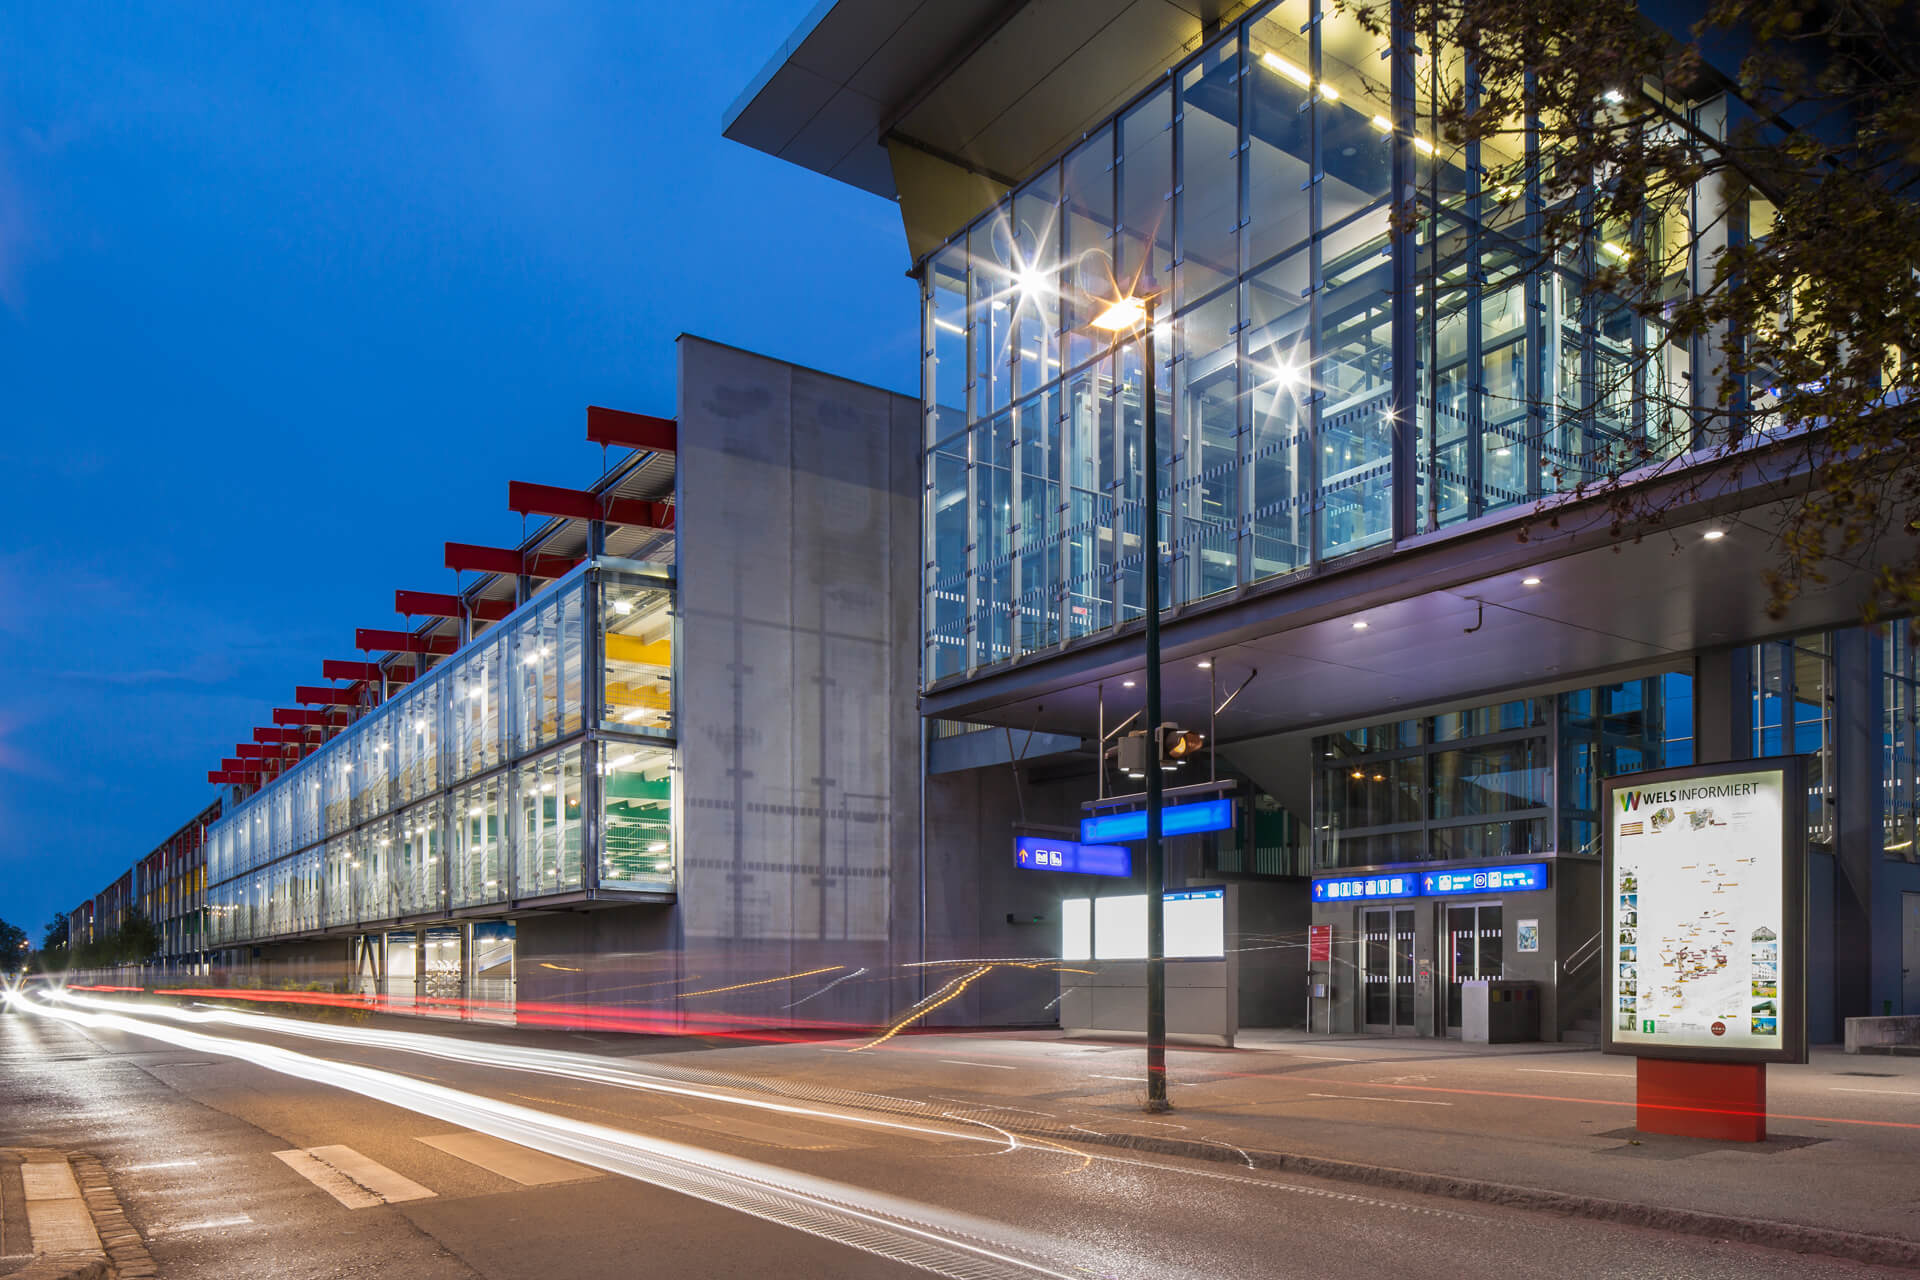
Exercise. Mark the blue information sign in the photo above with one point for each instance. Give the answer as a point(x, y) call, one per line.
point(1362, 888)
point(1437, 884)
point(1175, 820)
point(1044, 853)
point(1528, 875)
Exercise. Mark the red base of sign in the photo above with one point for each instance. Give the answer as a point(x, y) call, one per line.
point(1722, 1100)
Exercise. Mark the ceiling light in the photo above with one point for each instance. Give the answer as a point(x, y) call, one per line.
point(1291, 71)
point(658, 846)
point(1359, 773)
point(1423, 146)
point(1379, 777)
point(1502, 452)
point(1381, 123)
point(1714, 535)
point(1126, 684)
point(1614, 96)
point(1360, 625)
point(1529, 582)
point(1204, 664)
point(623, 606)
point(1330, 93)
point(1616, 249)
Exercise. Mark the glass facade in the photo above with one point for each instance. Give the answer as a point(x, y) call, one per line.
point(485, 782)
point(1298, 332)
point(1900, 705)
point(1792, 694)
point(1511, 779)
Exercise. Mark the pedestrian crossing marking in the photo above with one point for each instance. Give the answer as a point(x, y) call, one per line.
point(351, 1178)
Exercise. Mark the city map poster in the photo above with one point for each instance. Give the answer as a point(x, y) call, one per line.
point(1705, 870)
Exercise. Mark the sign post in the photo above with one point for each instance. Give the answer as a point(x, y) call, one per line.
point(1705, 875)
point(1319, 951)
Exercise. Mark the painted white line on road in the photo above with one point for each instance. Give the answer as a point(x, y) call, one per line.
point(1557, 1071)
point(329, 1179)
point(1902, 1093)
point(996, 1066)
point(372, 1175)
point(510, 1160)
point(161, 1164)
point(1361, 1097)
point(1320, 1057)
point(208, 1224)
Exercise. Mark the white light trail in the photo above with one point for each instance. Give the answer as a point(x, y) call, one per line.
point(873, 1222)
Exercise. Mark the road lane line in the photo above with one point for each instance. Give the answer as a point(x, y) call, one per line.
point(993, 1066)
point(510, 1160)
point(161, 1164)
point(208, 1224)
point(1902, 1093)
point(1361, 1097)
point(1557, 1071)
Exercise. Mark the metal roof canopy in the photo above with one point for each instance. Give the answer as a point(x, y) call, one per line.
point(987, 87)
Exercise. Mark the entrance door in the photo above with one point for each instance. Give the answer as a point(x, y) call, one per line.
point(1910, 953)
point(1387, 971)
point(1474, 951)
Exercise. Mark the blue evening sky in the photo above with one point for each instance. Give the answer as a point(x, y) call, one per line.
point(288, 293)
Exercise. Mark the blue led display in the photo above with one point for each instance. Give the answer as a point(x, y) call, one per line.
point(1363, 888)
point(1175, 820)
point(1044, 853)
point(1528, 875)
point(1408, 884)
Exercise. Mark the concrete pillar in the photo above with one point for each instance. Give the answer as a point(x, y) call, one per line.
point(1854, 797)
point(1723, 705)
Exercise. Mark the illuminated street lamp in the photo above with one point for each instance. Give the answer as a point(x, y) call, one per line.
point(1123, 315)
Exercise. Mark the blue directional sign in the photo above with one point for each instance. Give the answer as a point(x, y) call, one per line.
point(1175, 820)
point(1364, 888)
point(1044, 853)
point(1528, 875)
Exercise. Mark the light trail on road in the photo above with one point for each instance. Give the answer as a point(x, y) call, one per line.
point(939, 1241)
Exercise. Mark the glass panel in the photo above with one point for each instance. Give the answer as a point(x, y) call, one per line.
point(1086, 180)
point(477, 824)
point(1279, 131)
point(1209, 179)
point(548, 841)
point(1378, 972)
point(637, 818)
point(1146, 185)
point(946, 609)
point(1403, 971)
point(1206, 504)
point(638, 627)
point(1279, 357)
point(1037, 482)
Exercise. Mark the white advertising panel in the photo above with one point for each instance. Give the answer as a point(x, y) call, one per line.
point(1704, 913)
point(1193, 922)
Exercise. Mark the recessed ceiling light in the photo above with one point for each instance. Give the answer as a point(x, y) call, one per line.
point(1360, 625)
point(1204, 663)
point(1126, 684)
point(1714, 535)
point(1529, 582)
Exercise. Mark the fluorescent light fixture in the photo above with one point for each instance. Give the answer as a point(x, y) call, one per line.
point(1328, 92)
point(1383, 124)
point(623, 606)
point(1361, 625)
point(1204, 664)
point(1123, 314)
point(1714, 535)
point(1423, 146)
point(1503, 452)
point(658, 846)
point(1126, 684)
point(1291, 71)
point(1529, 582)
point(1615, 249)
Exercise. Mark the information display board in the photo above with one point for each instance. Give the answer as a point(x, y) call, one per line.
point(1046, 853)
point(1193, 923)
point(1705, 875)
point(1175, 820)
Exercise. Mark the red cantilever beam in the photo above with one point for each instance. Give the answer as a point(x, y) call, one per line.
point(322, 694)
point(434, 604)
point(300, 715)
point(577, 504)
point(465, 556)
point(631, 430)
point(280, 735)
point(339, 669)
point(374, 640)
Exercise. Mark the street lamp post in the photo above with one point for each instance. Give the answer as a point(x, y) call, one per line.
point(1122, 315)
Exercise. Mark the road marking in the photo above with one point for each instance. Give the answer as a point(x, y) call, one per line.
point(1557, 1071)
point(510, 1160)
point(1319, 1057)
point(1358, 1097)
point(351, 1178)
point(209, 1224)
point(161, 1164)
point(961, 1062)
point(1139, 1080)
point(1904, 1093)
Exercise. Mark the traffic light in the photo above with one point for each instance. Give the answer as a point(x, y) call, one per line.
point(1177, 745)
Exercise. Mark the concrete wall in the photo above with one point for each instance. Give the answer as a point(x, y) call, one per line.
point(1273, 921)
point(797, 523)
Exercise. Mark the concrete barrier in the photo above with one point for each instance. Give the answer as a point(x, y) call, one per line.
point(1883, 1035)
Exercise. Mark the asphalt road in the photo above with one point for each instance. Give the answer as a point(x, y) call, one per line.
point(722, 1173)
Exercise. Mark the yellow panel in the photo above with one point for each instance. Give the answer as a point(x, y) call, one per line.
point(632, 649)
point(625, 695)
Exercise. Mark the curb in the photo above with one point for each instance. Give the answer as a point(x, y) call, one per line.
point(126, 1251)
point(1854, 1245)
